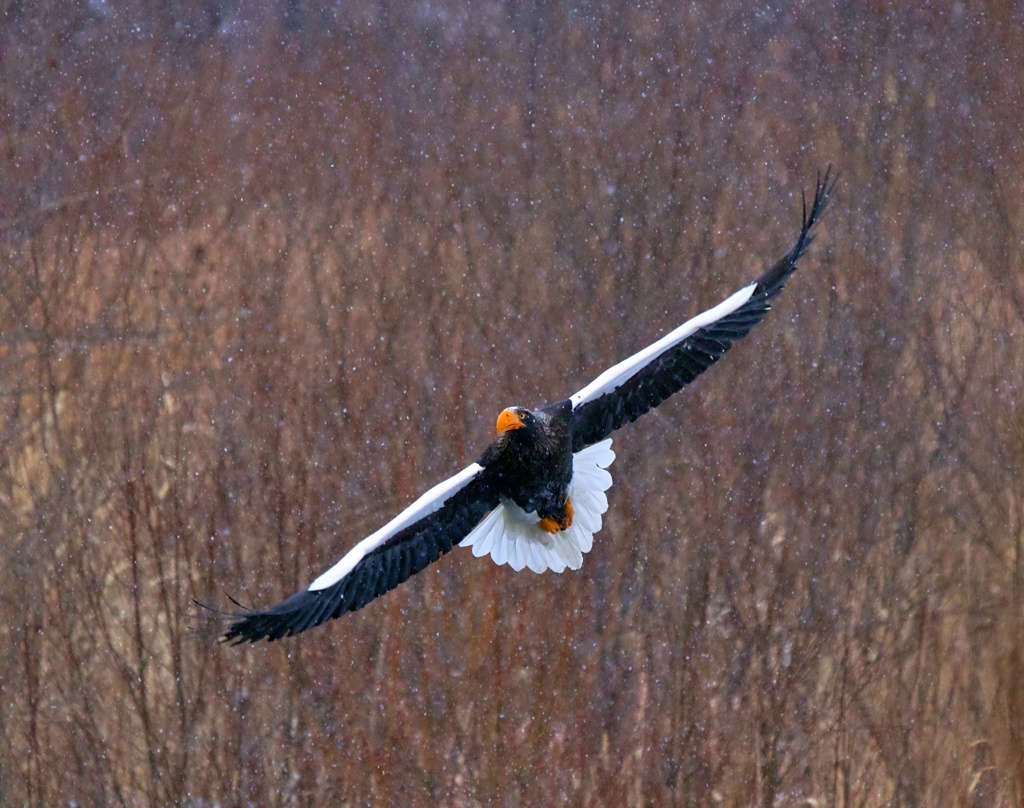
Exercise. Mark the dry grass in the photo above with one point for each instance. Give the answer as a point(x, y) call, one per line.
point(259, 288)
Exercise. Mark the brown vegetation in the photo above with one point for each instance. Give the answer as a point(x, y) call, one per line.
point(266, 275)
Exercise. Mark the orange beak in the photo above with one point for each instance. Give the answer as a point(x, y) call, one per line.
point(509, 420)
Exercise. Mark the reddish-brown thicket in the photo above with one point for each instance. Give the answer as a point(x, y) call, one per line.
point(264, 277)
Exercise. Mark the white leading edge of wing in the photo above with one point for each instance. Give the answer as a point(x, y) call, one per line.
point(424, 506)
point(618, 374)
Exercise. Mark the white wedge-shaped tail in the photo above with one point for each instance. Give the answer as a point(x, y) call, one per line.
point(511, 536)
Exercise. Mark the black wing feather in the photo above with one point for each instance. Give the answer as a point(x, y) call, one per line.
point(407, 552)
point(671, 371)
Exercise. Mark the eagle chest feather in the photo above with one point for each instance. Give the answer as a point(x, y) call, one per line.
point(533, 466)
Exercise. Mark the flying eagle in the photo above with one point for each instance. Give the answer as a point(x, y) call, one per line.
point(536, 495)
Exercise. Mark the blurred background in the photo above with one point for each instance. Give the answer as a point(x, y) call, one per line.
point(268, 271)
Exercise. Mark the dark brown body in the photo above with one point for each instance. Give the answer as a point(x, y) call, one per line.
point(532, 466)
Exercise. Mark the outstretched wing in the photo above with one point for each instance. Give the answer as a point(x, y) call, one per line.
point(629, 389)
point(418, 536)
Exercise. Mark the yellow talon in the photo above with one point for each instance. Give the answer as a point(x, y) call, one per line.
point(567, 521)
point(549, 524)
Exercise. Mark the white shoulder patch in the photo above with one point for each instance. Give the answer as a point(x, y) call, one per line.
point(618, 374)
point(511, 536)
point(424, 506)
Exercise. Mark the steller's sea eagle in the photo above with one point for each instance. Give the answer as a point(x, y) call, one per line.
point(536, 495)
